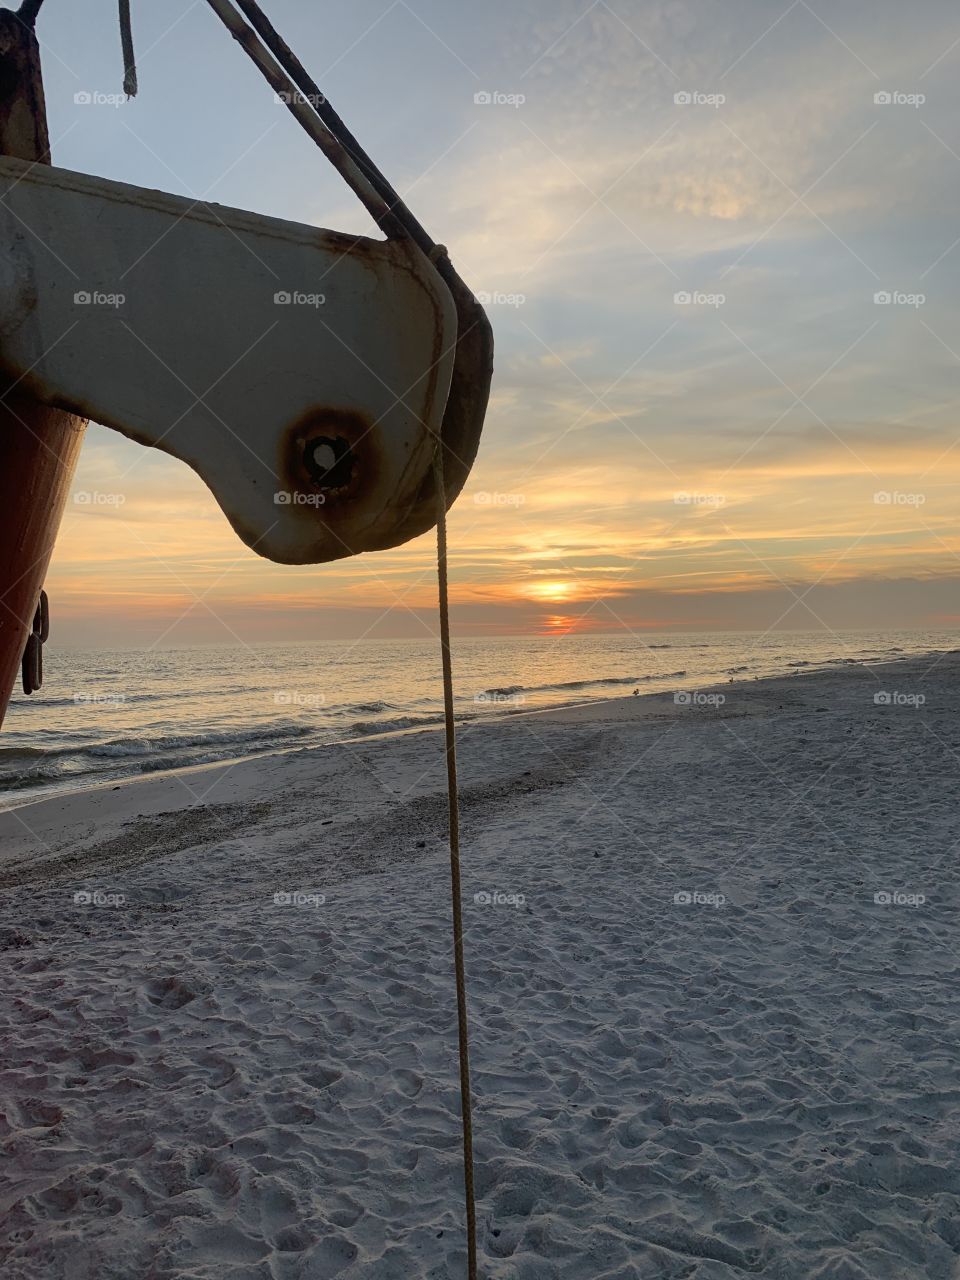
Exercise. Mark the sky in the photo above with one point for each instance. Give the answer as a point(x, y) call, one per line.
point(721, 246)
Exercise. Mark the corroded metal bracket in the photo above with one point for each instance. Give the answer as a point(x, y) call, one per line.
point(31, 664)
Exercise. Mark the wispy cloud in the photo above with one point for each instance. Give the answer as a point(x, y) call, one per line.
point(697, 391)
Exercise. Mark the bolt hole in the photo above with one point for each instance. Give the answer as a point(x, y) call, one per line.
point(329, 461)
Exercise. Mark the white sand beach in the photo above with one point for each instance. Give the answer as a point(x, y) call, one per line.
point(702, 1048)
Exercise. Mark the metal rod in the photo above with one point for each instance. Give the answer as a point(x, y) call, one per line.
point(300, 108)
point(295, 69)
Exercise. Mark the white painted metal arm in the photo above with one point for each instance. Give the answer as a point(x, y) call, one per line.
point(302, 373)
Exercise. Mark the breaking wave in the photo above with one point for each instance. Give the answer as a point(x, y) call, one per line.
point(510, 690)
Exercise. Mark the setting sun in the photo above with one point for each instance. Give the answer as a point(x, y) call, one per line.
point(553, 591)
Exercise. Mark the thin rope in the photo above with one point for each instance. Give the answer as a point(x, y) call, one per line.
point(285, 73)
point(450, 734)
point(126, 42)
point(27, 13)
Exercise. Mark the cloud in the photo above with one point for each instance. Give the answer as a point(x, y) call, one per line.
point(781, 412)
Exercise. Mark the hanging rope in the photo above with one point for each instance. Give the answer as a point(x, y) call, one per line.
point(126, 42)
point(466, 1109)
point(27, 13)
point(284, 72)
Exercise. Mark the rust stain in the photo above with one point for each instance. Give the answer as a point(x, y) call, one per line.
point(333, 454)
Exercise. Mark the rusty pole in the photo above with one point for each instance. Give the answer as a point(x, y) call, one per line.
point(39, 446)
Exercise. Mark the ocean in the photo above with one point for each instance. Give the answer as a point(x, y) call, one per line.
point(107, 715)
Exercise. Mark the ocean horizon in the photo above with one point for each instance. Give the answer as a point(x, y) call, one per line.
point(106, 715)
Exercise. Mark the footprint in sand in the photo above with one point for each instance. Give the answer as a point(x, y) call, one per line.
point(34, 1114)
point(216, 1175)
point(169, 993)
point(91, 1058)
point(221, 1070)
point(321, 1077)
point(294, 1240)
point(331, 1256)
